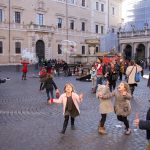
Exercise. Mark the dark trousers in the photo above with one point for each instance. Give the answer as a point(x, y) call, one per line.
point(66, 122)
point(58, 72)
point(103, 120)
point(24, 75)
point(41, 85)
point(132, 88)
point(99, 80)
point(124, 120)
point(120, 76)
point(112, 85)
point(48, 91)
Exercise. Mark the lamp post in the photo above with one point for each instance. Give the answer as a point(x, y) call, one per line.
point(66, 26)
point(9, 34)
point(118, 41)
point(118, 36)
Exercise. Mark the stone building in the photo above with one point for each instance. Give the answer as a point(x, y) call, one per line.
point(55, 29)
point(134, 36)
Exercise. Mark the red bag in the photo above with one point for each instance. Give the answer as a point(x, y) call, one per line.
point(57, 94)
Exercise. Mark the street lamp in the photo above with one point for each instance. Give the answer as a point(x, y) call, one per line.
point(118, 34)
point(9, 33)
point(118, 41)
point(67, 25)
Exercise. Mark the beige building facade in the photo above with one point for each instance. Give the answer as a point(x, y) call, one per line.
point(136, 44)
point(55, 29)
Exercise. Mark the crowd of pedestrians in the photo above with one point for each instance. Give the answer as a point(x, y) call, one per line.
point(104, 79)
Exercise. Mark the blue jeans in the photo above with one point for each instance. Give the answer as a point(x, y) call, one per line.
point(99, 80)
point(51, 92)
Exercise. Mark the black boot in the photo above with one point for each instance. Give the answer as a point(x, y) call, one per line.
point(65, 125)
point(72, 123)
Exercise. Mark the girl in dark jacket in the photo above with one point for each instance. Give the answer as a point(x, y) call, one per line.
point(112, 77)
point(24, 69)
point(144, 125)
point(49, 85)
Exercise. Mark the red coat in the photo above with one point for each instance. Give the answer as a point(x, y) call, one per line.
point(24, 68)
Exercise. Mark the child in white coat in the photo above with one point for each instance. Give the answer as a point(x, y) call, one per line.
point(70, 101)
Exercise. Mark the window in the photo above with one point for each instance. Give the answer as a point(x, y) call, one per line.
point(113, 11)
point(83, 50)
point(83, 3)
point(72, 24)
point(102, 7)
point(59, 22)
point(97, 6)
point(17, 17)
point(97, 49)
point(1, 15)
point(71, 1)
point(83, 26)
point(59, 49)
point(102, 29)
point(96, 28)
point(1, 47)
point(18, 47)
point(40, 19)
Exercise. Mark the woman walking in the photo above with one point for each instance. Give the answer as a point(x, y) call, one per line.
point(130, 73)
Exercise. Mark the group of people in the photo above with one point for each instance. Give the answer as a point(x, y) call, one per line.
point(112, 72)
point(104, 79)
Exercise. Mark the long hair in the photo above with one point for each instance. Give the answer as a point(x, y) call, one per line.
point(49, 76)
point(70, 84)
point(126, 86)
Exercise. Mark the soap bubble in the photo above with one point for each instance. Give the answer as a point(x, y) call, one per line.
point(68, 46)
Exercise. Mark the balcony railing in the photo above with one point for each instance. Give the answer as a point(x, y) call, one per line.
point(135, 33)
point(40, 28)
point(77, 32)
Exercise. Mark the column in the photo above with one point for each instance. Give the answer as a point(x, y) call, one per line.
point(135, 47)
point(148, 52)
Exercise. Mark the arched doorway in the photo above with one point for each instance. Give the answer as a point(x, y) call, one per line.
point(128, 52)
point(40, 50)
point(140, 52)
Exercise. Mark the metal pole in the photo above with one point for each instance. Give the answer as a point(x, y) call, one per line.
point(118, 41)
point(66, 26)
point(108, 14)
point(9, 34)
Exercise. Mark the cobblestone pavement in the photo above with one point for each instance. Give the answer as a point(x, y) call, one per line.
point(28, 123)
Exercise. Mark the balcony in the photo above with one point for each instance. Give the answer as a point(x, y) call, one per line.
point(78, 32)
point(41, 28)
point(136, 33)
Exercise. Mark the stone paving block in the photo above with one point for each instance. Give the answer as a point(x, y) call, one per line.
point(28, 123)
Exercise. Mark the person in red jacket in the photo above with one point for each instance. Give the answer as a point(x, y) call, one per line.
point(24, 69)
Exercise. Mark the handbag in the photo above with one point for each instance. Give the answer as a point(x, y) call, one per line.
point(123, 108)
point(127, 76)
point(137, 76)
point(57, 94)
